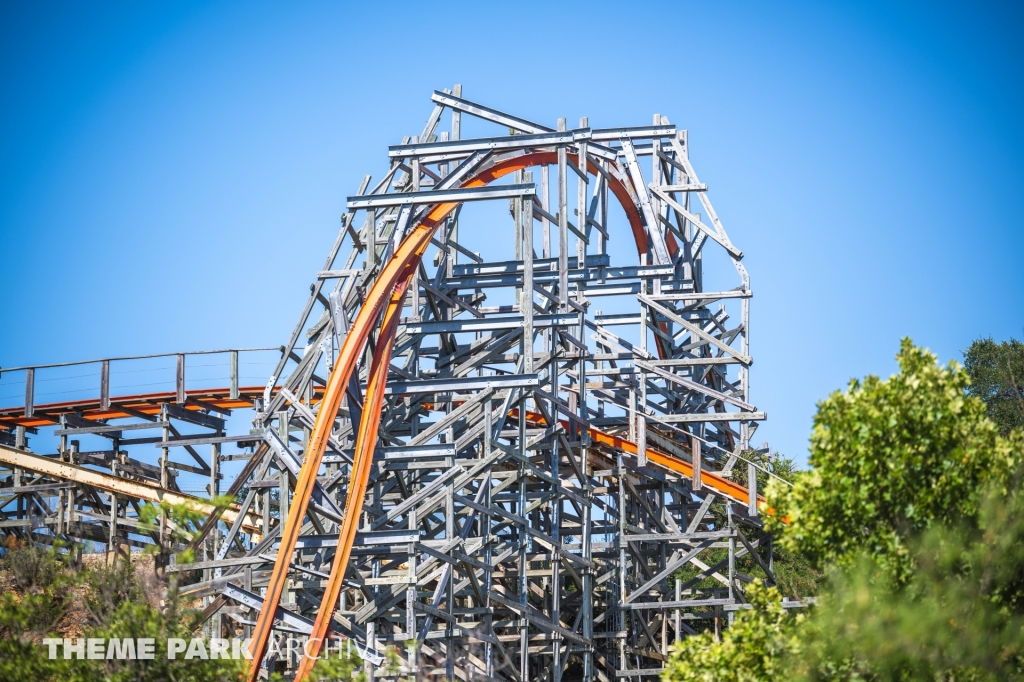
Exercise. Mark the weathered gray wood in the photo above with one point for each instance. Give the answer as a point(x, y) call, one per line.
point(497, 462)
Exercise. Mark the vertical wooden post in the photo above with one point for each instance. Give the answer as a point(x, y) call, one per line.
point(165, 458)
point(545, 203)
point(179, 379)
point(563, 226)
point(371, 239)
point(283, 431)
point(526, 297)
point(453, 256)
point(456, 114)
point(415, 168)
point(233, 374)
point(581, 200)
point(641, 435)
point(732, 554)
point(105, 385)
point(695, 451)
point(751, 489)
point(284, 489)
point(247, 586)
point(30, 391)
point(620, 474)
point(112, 544)
point(216, 624)
point(72, 494)
point(486, 534)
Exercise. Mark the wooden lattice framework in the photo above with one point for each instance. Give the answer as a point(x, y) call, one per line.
point(461, 455)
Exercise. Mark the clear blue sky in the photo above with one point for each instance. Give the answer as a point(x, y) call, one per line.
point(172, 173)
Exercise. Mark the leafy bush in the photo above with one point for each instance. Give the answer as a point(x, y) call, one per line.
point(755, 647)
point(960, 616)
point(48, 597)
point(914, 508)
point(890, 458)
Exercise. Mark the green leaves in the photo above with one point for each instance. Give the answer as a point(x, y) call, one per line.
point(754, 647)
point(914, 507)
point(997, 377)
point(44, 596)
point(179, 518)
point(890, 458)
point(958, 617)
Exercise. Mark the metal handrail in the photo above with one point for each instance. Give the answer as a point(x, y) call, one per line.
point(139, 357)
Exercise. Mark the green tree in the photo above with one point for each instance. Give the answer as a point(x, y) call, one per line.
point(960, 616)
point(914, 507)
point(888, 459)
point(997, 377)
point(37, 591)
point(44, 595)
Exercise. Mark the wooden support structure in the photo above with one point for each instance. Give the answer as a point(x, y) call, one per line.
point(457, 453)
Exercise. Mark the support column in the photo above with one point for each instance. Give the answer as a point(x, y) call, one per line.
point(216, 625)
point(563, 227)
point(284, 488)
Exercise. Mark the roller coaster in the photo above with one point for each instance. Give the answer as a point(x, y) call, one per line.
point(456, 456)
